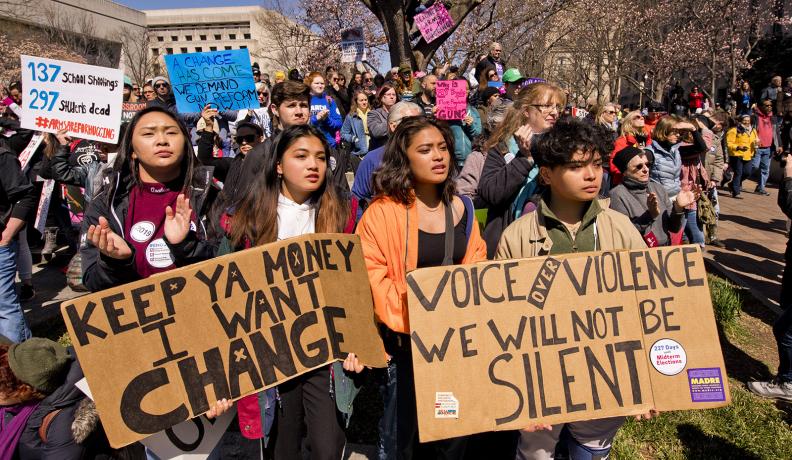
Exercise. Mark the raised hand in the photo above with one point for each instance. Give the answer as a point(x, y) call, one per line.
point(107, 241)
point(352, 364)
point(685, 198)
point(653, 204)
point(523, 135)
point(63, 138)
point(177, 222)
point(219, 408)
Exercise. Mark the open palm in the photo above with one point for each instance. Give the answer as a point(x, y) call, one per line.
point(177, 222)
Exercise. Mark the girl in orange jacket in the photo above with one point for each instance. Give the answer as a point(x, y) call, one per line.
point(405, 228)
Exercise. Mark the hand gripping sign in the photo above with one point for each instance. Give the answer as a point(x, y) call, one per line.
point(156, 352)
point(507, 344)
point(83, 99)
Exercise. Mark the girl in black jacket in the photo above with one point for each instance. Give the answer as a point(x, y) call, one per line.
point(509, 162)
point(141, 221)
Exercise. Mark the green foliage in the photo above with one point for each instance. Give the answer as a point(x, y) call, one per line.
point(727, 301)
point(749, 428)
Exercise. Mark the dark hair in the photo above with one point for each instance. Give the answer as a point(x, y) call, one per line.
point(256, 218)
point(17, 85)
point(379, 80)
point(394, 178)
point(381, 92)
point(557, 146)
point(127, 167)
point(288, 91)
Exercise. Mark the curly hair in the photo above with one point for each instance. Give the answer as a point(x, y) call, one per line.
point(10, 386)
point(394, 178)
point(569, 136)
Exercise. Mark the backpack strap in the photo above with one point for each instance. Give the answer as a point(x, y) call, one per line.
point(45, 423)
point(471, 216)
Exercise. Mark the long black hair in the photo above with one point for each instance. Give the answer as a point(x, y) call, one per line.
point(127, 167)
point(256, 218)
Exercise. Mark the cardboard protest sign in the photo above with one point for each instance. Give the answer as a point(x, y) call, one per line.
point(129, 109)
point(193, 439)
point(83, 99)
point(579, 113)
point(157, 351)
point(223, 78)
point(451, 98)
point(502, 345)
point(531, 81)
point(353, 45)
point(434, 22)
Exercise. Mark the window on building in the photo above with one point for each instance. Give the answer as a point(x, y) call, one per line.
point(203, 38)
point(174, 38)
point(188, 38)
point(155, 51)
point(232, 36)
point(184, 50)
point(212, 48)
point(228, 47)
point(217, 36)
point(160, 39)
point(168, 50)
point(247, 36)
point(243, 47)
point(198, 49)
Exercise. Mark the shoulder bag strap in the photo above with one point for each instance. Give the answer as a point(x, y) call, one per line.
point(448, 259)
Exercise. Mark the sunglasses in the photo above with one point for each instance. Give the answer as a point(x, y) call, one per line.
point(334, 79)
point(638, 117)
point(148, 91)
point(161, 85)
point(641, 166)
point(249, 139)
point(367, 79)
point(612, 112)
point(263, 94)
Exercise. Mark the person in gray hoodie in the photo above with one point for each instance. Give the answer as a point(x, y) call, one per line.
point(646, 203)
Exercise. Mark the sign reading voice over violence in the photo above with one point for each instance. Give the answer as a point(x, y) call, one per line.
point(158, 351)
point(563, 338)
point(451, 99)
point(434, 22)
point(223, 78)
point(83, 99)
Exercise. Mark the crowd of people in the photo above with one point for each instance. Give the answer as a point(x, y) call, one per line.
point(517, 176)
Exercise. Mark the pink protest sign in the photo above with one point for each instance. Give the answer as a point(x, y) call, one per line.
point(451, 99)
point(434, 22)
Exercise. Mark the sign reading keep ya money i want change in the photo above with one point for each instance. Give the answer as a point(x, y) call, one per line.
point(503, 345)
point(83, 99)
point(157, 351)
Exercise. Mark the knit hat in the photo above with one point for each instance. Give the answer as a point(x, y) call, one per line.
point(512, 75)
point(280, 75)
point(40, 363)
point(623, 157)
point(247, 128)
point(159, 78)
point(488, 93)
point(127, 81)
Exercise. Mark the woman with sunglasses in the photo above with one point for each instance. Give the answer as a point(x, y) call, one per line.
point(339, 93)
point(378, 118)
point(633, 132)
point(509, 178)
point(259, 116)
point(491, 75)
point(677, 147)
point(646, 203)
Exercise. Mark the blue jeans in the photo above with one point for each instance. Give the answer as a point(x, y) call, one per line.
point(693, 230)
point(741, 170)
point(577, 451)
point(12, 319)
point(761, 162)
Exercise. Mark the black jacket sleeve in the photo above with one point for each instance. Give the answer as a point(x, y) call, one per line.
point(63, 171)
point(785, 196)
point(99, 271)
point(500, 180)
point(205, 148)
point(17, 189)
point(698, 147)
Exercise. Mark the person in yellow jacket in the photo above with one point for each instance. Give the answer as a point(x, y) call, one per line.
point(741, 142)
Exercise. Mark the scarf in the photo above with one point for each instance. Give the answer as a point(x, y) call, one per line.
point(632, 184)
point(11, 432)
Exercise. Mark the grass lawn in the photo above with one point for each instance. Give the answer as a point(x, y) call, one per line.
point(751, 427)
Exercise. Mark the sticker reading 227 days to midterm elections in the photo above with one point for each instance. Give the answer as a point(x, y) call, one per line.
point(668, 357)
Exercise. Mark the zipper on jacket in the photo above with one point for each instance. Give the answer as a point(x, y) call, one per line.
point(112, 205)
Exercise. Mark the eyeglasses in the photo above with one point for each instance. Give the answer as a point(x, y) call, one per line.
point(264, 94)
point(638, 117)
point(149, 91)
point(161, 85)
point(547, 108)
point(334, 79)
point(249, 139)
point(641, 166)
point(367, 79)
point(612, 112)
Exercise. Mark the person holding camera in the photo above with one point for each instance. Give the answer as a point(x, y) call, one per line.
point(780, 387)
point(741, 142)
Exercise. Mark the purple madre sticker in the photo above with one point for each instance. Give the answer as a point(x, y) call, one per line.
point(706, 385)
